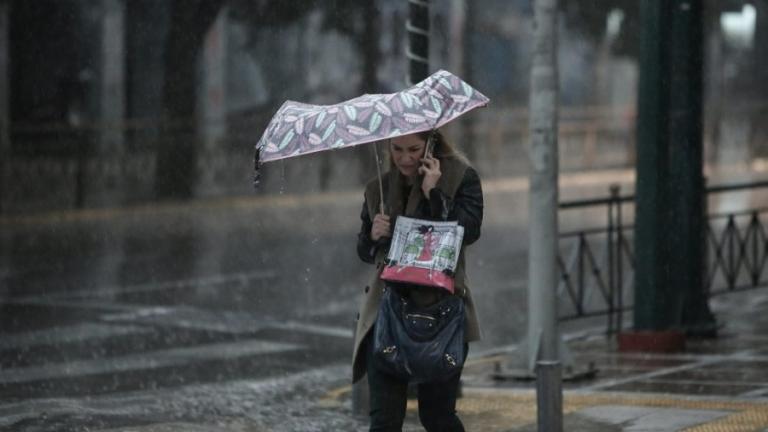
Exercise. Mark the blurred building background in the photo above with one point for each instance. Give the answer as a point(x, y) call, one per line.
point(118, 102)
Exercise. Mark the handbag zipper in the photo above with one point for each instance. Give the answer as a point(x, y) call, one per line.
point(421, 316)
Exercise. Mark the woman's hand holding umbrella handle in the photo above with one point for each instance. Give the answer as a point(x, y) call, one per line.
point(430, 169)
point(381, 227)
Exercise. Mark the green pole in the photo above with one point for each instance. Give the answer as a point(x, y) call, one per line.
point(670, 223)
point(686, 180)
point(655, 302)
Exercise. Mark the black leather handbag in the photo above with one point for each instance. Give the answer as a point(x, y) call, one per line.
point(419, 343)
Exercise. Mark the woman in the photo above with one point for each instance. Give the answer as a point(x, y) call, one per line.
point(438, 186)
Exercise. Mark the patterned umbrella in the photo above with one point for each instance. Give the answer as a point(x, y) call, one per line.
point(298, 128)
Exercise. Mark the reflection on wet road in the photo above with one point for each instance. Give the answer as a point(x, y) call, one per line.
point(140, 318)
point(194, 313)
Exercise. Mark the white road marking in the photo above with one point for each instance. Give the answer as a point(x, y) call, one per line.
point(322, 330)
point(241, 279)
point(146, 360)
point(758, 393)
point(68, 334)
point(220, 321)
point(189, 317)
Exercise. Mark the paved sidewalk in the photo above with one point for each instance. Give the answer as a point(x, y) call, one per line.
point(715, 385)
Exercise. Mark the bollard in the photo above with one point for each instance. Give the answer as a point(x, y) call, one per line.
point(549, 396)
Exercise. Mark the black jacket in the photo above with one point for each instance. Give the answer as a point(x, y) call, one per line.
point(466, 208)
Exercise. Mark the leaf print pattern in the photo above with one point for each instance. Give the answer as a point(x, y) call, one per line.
point(460, 98)
point(406, 98)
point(396, 105)
point(351, 112)
point(329, 131)
point(355, 130)
point(467, 89)
point(286, 140)
point(314, 139)
point(414, 118)
point(319, 119)
point(383, 109)
point(375, 122)
point(436, 105)
point(363, 116)
point(431, 114)
point(299, 128)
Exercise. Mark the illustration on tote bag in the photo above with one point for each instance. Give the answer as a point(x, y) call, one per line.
point(424, 252)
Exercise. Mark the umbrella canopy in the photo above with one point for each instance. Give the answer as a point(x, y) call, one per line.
point(298, 128)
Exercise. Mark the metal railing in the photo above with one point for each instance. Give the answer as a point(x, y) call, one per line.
point(594, 272)
point(597, 265)
point(737, 245)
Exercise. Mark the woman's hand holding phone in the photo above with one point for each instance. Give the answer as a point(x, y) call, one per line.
point(430, 169)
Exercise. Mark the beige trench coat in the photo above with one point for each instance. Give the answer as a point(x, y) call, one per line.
point(452, 174)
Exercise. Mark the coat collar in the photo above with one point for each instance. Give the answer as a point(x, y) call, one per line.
point(395, 199)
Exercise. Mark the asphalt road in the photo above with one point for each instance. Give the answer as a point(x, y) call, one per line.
point(216, 310)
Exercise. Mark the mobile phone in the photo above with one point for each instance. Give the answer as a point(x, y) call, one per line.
point(428, 148)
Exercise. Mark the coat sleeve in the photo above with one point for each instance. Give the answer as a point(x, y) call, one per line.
point(466, 207)
point(366, 248)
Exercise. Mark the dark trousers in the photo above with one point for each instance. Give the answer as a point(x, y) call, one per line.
point(389, 396)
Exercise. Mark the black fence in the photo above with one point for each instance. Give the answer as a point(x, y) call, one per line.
point(597, 265)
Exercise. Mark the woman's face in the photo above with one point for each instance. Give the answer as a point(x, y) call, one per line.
point(406, 151)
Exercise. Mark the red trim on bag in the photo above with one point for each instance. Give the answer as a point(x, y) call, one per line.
point(419, 276)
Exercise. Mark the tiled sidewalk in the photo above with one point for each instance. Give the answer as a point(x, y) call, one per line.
point(715, 385)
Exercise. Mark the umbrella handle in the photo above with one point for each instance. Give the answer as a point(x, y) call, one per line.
point(378, 172)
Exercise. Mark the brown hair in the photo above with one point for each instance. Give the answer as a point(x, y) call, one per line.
point(441, 148)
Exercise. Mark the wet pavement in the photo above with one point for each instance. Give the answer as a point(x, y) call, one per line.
point(718, 384)
point(237, 314)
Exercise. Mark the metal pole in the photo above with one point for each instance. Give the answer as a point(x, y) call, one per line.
point(655, 302)
point(417, 52)
point(686, 60)
point(543, 193)
point(543, 337)
point(619, 262)
point(611, 260)
point(549, 396)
